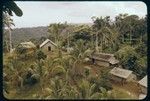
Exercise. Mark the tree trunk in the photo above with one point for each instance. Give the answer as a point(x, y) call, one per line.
point(96, 43)
point(7, 46)
point(102, 43)
point(68, 44)
point(7, 43)
point(93, 41)
point(130, 37)
point(123, 39)
point(10, 40)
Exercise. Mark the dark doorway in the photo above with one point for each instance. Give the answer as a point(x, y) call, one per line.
point(49, 48)
point(93, 61)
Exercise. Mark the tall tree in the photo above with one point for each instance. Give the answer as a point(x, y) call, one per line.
point(99, 27)
point(55, 30)
point(9, 7)
point(8, 22)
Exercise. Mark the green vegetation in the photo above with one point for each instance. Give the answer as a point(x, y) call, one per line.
point(62, 74)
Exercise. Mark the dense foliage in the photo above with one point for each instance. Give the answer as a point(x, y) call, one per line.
point(62, 74)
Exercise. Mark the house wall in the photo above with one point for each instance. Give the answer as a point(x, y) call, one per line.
point(115, 78)
point(101, 63)
point(131, 77)
point(45, 47)
point(143, 89)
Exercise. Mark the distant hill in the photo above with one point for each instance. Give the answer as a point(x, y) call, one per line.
point(25, 34)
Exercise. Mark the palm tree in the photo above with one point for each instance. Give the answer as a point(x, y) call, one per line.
point(10, 6)
point(79, 53)
point(70, 29)
point(112, 37)
point(7, 23)
point(100, 31)
point(87, 91)
point(5, 41)
point(55, 31)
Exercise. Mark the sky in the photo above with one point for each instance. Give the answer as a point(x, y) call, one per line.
point(43, 13)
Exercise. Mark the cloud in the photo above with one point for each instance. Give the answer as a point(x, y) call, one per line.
point(42, 13)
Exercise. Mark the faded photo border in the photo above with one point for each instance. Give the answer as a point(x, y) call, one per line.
point(17, 12)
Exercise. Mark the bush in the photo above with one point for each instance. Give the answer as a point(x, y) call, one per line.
point(40, 55)
point(59, 70)
point(127, 56)
point(34, 78)
point(103, 81)
point(141, 48)
point(21, 50)
point(141, 66)
point(92, 79)
point(31, 79)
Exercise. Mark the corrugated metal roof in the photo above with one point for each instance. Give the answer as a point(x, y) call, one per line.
point(46, 41)
point(112, 60)
point(143, 81)
point(123, 73)
point(105, 57)
point(142, 96)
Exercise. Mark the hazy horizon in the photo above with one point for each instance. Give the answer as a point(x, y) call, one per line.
point(43, 13)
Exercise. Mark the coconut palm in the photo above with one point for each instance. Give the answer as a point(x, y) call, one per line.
point(55, 31)
point(69, 30)
point(10, 6)
point(79, 53)
point(8, 22)
point(99, 29)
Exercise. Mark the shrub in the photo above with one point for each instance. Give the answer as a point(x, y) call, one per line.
point(59, 70)
point(127, 56)
point(21, 50)
point(34, 78)
point(40, 55)
point(31, 79)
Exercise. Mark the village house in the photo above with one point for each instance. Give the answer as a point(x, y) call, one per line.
point(103, 59)
point(48, 46)
point(28, 45)
point(143, 85)
point(121, 75)
point(142, 96)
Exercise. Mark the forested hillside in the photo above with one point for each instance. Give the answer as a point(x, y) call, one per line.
point(33, 33)
point(25, 34)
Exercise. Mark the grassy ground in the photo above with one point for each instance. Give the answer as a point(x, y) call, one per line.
point(130, 87)
point(121, 93)
point(27, 93)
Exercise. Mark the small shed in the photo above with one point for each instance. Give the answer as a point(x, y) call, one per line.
point(142, 96)
point(121, 75)
point(143, 85)
point(48, 45)
point(104, 59)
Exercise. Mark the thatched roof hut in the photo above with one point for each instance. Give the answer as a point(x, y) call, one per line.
point(28, 45)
